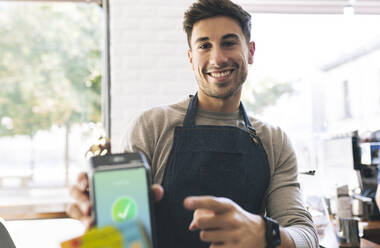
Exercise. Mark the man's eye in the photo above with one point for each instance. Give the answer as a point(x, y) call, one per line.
point(229, 43)
point(204, 46)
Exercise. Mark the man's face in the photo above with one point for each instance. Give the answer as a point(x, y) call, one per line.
point(219, 56)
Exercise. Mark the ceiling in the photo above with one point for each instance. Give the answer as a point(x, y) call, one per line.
point(310, 6)
point(289, 6)
point(87, 1)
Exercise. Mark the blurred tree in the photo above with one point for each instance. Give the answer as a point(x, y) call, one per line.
point(50, 67)
point(265, 93)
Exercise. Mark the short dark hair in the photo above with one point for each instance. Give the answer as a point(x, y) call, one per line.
point(203, 9)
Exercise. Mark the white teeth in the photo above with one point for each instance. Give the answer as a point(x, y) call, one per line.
point(220, 74)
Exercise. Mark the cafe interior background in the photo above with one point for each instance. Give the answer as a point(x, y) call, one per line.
point(71, 72)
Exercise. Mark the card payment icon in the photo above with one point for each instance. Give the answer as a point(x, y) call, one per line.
point(124, 209)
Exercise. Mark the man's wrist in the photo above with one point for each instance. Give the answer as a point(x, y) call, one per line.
point(272, 232)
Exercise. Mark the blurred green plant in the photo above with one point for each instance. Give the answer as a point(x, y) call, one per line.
point(265, 93)
point(50, 66)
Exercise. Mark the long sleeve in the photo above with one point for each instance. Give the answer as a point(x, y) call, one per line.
point(284, 201)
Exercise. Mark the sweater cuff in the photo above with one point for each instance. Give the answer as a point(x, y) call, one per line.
point(296, 233)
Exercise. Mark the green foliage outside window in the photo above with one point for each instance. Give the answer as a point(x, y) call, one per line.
point(265, 93)
point(49, 67)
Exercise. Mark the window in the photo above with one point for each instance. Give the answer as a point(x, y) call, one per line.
point(50, 101)
point(378, 96)
point(346, 100)
point(296, 80)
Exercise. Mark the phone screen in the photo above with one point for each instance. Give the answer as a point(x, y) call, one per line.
point(122, 200)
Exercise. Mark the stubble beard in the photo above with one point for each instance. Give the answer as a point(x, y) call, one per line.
point(204, 85)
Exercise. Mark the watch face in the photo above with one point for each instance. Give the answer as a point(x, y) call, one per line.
point(272, 232)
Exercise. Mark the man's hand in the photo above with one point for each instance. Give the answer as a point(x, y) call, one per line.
point(224, 223)
point(81, 208)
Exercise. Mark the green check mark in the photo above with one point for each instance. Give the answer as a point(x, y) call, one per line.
point(123, 209)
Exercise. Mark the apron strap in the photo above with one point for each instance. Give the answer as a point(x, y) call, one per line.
point(192, 112)
point(247, 122)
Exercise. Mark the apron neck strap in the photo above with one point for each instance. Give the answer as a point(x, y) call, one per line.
point(192, 112)
point(247, 122)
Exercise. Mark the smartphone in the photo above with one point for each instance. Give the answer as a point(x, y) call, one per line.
point(121, 196)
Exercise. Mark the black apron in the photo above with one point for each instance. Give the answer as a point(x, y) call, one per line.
point(222, 161)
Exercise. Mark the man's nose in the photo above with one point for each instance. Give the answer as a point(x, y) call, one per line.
point(218, 57)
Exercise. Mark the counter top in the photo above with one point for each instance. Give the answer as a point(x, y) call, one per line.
point(370, 239)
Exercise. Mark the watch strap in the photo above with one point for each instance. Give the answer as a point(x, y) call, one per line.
point(272, 232)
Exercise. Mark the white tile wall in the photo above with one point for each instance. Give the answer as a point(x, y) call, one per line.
point(149, 63)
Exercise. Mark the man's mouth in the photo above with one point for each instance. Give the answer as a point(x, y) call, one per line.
point(220, 74)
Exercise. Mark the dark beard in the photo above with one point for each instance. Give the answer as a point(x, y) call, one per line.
point(227, 95)
point(208, 92)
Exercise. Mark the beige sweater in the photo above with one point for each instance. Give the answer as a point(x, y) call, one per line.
point(152, 133)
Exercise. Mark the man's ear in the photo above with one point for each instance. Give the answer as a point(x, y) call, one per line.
point(190, 57)
point(251, 51)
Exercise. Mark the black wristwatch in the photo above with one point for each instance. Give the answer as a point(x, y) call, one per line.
point(272, 232)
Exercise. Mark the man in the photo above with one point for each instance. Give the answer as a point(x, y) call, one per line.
point(220, 171)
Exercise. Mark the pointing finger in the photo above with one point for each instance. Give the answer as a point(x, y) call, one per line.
point(216, 204)
point(207, 221)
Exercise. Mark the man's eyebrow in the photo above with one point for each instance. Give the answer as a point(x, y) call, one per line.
point(228, 36)
point(201, 39)
point(224, 37)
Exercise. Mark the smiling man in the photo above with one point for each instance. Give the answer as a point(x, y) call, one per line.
point(219, 60)
point(222, 179)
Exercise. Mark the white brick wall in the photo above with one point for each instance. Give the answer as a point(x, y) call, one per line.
point(149, 63)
